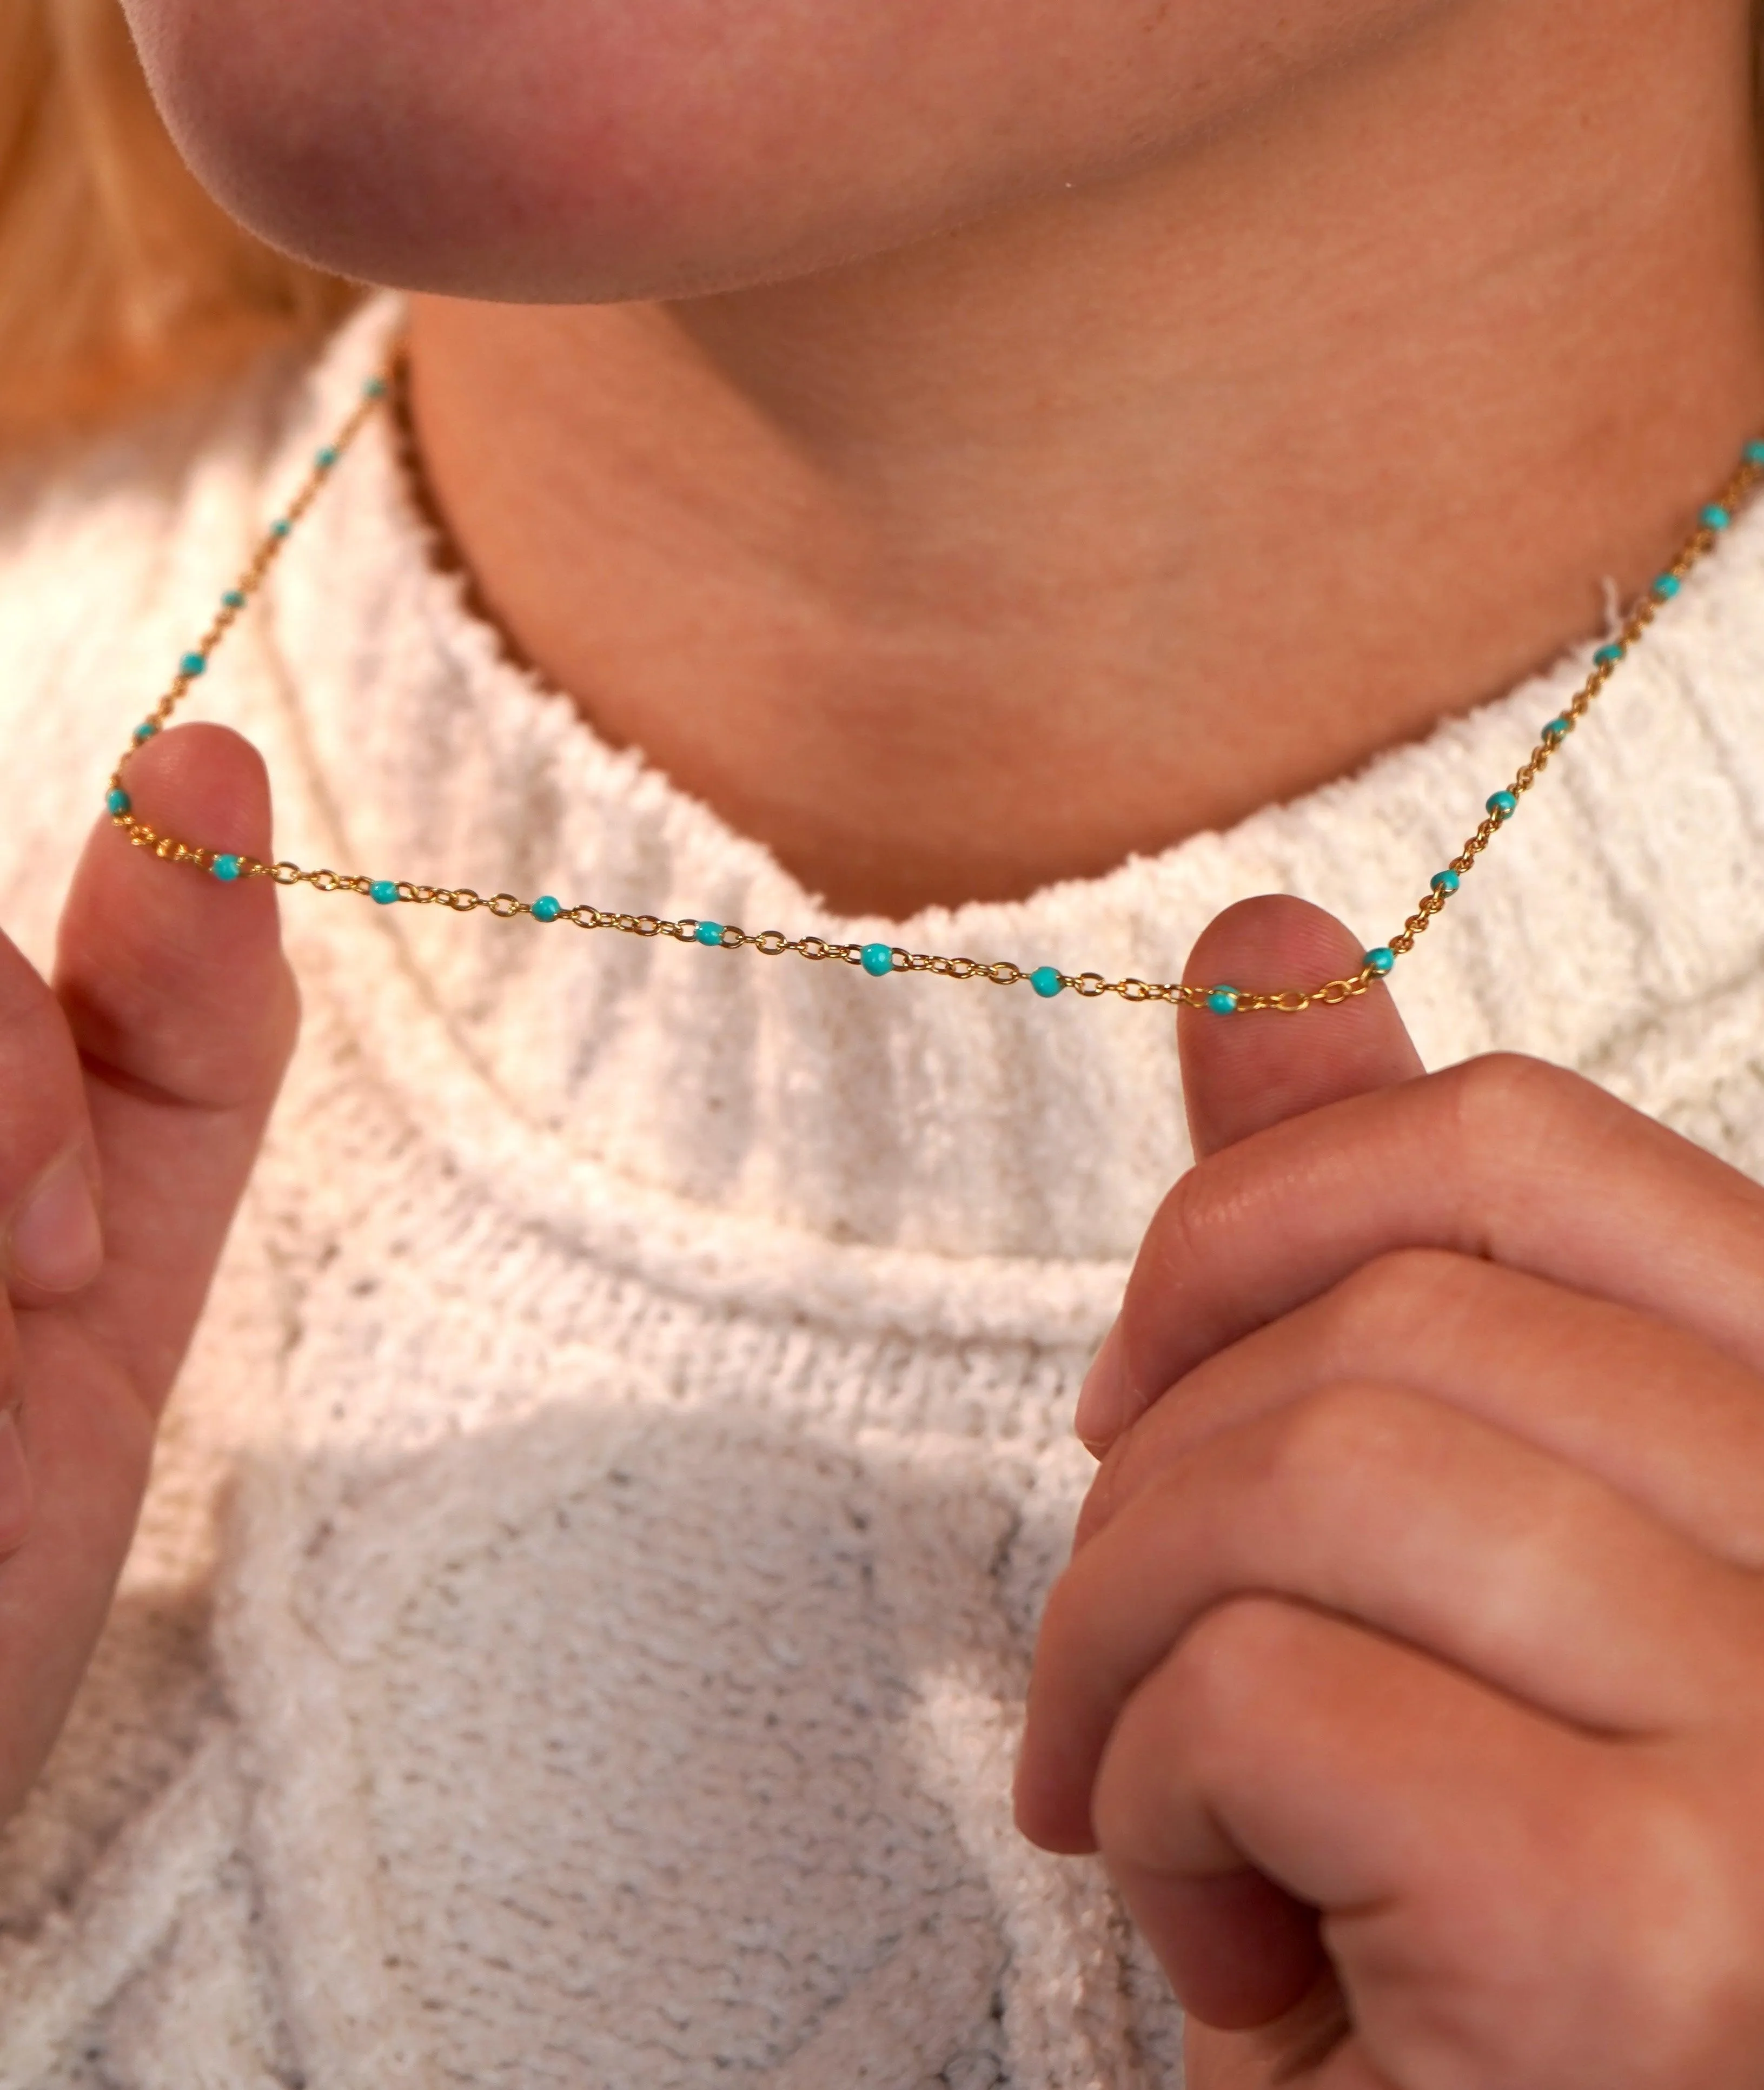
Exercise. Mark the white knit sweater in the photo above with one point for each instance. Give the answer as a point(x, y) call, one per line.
point(578, 1625)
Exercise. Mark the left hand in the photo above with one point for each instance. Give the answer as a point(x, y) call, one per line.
point(1409, 1672)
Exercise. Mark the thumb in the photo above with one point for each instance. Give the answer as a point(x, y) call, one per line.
point(183, 1012)
point(1247, 1951)
point(175, 1015)
point(1243, 1073)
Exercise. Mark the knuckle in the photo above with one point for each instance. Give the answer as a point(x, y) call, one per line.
point(1212, 1680)
point(1388, 1296)
point(1344, 1429)
point(1492, 1094)
point(1677, 1939)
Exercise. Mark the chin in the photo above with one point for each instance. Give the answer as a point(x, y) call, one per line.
point(575, 151)
point(554, 150)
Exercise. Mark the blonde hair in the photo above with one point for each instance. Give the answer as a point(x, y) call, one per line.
point(119, 279)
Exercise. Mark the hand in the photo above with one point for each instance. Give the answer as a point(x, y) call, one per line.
point(133, 1095)
point(1409, 1669)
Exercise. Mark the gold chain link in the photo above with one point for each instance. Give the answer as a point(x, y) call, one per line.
point(773, 943)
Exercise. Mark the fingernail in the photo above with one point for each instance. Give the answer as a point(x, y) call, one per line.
point(1105, 1398)
point(56, 1243)
point(18, 1497)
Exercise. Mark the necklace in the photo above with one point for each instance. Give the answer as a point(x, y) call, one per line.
point(879, 960)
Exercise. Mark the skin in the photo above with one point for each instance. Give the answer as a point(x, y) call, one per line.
point(1077, 426)
point(1082, 425)
point(142, 1071)
point(1409, 1672)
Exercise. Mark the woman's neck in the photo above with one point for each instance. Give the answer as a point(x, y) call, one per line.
point(993, 560)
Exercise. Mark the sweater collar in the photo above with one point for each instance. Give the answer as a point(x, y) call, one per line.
point(916, 1112)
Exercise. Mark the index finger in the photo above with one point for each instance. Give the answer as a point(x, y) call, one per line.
point(1503, 1157)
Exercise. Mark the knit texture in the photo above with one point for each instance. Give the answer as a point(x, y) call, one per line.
point(578, 1628)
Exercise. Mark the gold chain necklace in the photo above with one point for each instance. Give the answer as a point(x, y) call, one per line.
point(877, 959)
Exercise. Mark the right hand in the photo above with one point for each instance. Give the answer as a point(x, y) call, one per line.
point(1409, 1673)
point(133, 1092)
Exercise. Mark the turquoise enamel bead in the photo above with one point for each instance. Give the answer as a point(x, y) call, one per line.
point(1716, 517)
